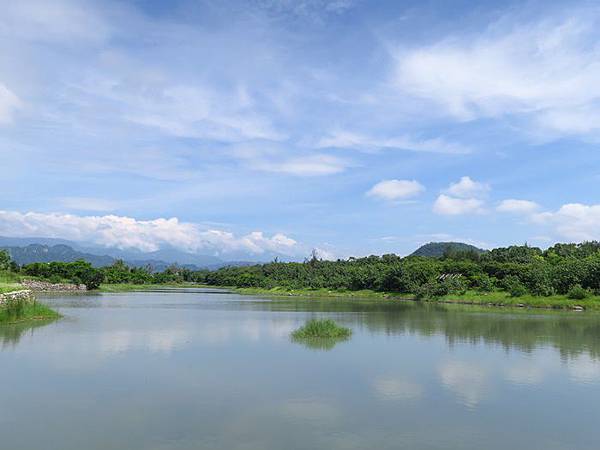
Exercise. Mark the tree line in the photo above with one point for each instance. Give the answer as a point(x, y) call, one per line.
point(566, 269)
point(571, 269)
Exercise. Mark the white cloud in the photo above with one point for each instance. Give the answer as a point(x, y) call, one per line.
point(545, 72)
point(462, 197)
point(574, 221)
point(145, 235)
point(311, 165)
point(9, 104)
point(355, 141)
point(517, 206)
point(466, 188)
point(396, 189)
point(450, 206)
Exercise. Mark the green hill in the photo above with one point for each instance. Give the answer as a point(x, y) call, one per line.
point(438, 249)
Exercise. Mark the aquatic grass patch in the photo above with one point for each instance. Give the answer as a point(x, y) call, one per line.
point(320, 334)
point(321, 329)
point(19, 310)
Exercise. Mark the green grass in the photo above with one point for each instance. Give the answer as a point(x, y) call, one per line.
point(9, 282)
point(24, 312)
point(321, 329)
point(496, 298)
point(130, 287)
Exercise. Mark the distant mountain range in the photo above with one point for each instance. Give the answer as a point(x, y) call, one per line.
point(29, 250)
point(438, 249)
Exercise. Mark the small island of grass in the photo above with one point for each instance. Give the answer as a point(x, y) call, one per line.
point(321, 329)
point(22, 310)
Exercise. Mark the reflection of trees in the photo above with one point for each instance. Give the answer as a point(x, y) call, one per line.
point(11, 334)
point(570, 333)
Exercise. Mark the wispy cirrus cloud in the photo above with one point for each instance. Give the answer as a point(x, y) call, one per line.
point(355, 141)
point(540, 71)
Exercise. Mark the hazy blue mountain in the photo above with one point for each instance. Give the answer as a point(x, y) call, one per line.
point(45, 253)
point(29, 250)
point(437, 249)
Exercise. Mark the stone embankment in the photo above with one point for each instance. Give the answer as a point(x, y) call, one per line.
point(24, 294)
point(44, 286)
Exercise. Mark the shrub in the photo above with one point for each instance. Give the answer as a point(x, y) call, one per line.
point(578, 293)
point(484, 283)
point(431, 290)
point(455, 285)
point(514, 287)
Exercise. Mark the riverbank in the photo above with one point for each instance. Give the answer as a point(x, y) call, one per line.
point(22, 306)
point(129, 287)
point(494, 299)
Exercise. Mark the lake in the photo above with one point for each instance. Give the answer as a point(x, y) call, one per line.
point(205, 369)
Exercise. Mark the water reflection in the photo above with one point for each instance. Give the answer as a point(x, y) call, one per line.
point(197, 371)
point(324, 344)
point(11, 334)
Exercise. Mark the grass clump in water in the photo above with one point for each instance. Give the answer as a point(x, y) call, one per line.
point(321, 329)
point(15, 311)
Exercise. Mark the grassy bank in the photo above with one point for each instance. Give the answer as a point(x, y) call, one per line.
point(130, 287)
point(497, 298)
point(27, 312)
point(9, 282)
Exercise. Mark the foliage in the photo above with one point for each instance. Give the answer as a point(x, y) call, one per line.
point(21, 310)
point(519, 270)
point(321, 328)
point(578, 293)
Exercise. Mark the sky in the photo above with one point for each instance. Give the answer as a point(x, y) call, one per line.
point(265, 127)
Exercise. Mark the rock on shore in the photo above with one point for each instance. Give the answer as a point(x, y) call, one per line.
point(44, 286)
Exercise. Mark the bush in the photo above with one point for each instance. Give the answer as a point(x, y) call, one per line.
point(578, 293)
point(455, 285)
point(514, 287)
point(484, 283)
point(431, 290)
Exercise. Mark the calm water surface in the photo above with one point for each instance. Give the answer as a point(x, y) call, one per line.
point(195, 369)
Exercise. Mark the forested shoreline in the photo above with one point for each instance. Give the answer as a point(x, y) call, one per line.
point(568, 270)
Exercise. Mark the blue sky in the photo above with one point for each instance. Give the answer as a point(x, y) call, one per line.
point(262, 127)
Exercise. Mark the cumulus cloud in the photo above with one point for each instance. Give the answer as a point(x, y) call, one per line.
point(9, 104)
point(466, 188)
point(396, 189)
point(517, 206)
point(355, 141)
point(462, 197)
point(451, 206)
point(574, 221)
point(544, 72)
point(145, 235)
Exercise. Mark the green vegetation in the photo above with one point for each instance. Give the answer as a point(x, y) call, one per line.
point(439, 249)
point(562, 277)
point(129, 287)
point(517, 275)
point(15, 311)
point(321, 334)
point(321, 328)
